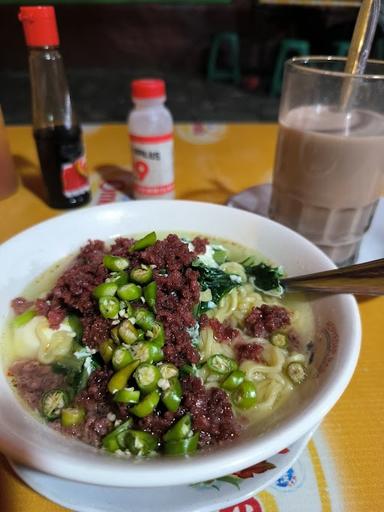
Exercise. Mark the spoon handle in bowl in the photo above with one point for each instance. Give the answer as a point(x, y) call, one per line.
point(362, 279)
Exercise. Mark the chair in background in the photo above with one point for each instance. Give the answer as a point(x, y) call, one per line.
point(228, 41)
point(341, 48)
point(288, 48)
point(379, 49)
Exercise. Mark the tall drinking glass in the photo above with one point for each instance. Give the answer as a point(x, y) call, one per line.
point(329, 162)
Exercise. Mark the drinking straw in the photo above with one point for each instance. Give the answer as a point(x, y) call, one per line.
point(360, 46)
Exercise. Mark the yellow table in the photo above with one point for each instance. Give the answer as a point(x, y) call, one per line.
point(212, 163)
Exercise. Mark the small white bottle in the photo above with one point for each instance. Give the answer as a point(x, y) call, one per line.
point(150, 127)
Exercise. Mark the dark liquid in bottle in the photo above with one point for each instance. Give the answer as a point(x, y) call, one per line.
point(61, 156)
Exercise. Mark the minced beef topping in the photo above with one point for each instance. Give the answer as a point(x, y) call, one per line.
point(52, 309)
point(264, 320)
point(32, 379)
point(20, 304)
point(250, 351)
point(91, 431)
point(211, 411)
point(121, 246)
point(178, 292)
point(73, 290)
point(221, 331)
point(98, 404)
point(96, 329)
point(159, 422)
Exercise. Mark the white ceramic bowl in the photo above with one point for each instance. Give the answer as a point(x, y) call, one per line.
point(337, 342)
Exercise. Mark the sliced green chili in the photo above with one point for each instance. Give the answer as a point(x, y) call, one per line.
point(144, 242)
point(221, 364)
point(105, 289)
point(106, 350)
point(180, 430)
point(128, 332)
point(72, 416)
point(109, 306)
point(128, 308)
point(140, 335)
point(115, 334)
point(67, 365)
point(23, 319)
point(182, 446)
point(147, 405)
point(279, 339)
point(75, 324)
point(130, 291)
point(172, 396)
point(150, 292)
point(147, 377)
point(115, 439)
point(233, 380)
point(118, 278)
point(115, 263)
point(110, 443)
point(140, 443)
point(148, 352)
point(127, 396)
point(121, 358)
point(141, 275)
point(297, 372)
point(168, 370)
point(219, 255)
point(245, 396)
point(158, 334)
point(119, 379)
point(144, 318)
point(52, 403)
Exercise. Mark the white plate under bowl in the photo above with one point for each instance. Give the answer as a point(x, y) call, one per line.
point(204, 497)
point(336, 343)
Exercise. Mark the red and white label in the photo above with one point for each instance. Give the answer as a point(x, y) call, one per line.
point(74, 177)
point(153, 165)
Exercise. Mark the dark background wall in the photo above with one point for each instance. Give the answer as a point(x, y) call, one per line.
point(105, 46)
point(175, 37)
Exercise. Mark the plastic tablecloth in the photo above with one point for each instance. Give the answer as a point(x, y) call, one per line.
point(342, 468)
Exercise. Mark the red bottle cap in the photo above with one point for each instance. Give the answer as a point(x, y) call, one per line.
point(39, 24)
point(148, 88)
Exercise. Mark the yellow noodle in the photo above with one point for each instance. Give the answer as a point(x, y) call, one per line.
point(236, 305)
point(232, 267)
point(269, 377)
point(208, 346)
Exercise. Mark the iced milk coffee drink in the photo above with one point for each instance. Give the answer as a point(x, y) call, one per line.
point(328, 175)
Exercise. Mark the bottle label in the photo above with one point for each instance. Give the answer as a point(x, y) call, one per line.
point(74, 177)
point(153, 164)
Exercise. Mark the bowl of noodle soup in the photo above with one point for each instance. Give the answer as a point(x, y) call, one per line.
point(196, 366)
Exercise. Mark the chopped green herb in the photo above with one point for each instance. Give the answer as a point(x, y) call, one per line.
point(218, 281)
point(266, 278)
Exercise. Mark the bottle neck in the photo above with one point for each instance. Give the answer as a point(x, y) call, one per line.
point(51, 101)
point(148, 103)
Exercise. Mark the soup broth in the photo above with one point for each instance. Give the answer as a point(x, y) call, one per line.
point(159, 344)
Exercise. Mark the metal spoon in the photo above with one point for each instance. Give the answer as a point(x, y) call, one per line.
point(362, 279)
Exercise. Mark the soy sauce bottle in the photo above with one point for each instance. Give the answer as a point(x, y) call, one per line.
point(56, 129)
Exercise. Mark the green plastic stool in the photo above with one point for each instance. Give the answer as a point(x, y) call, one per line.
point(232, 72)
point(379, 49)
point(288, 48)
point(341, 48)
